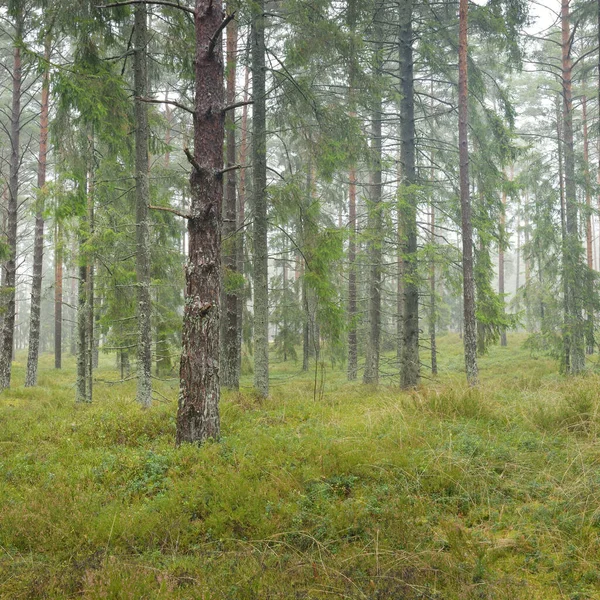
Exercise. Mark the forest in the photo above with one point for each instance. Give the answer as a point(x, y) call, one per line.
point(300, 299)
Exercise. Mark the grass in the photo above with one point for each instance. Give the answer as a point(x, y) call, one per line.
point(442, 493)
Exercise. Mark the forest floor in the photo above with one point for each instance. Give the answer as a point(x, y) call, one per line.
point(442, 493)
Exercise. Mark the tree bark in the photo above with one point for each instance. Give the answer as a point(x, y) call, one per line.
point(470, 329)
point(409, 376)
point(142, 196)
point(259, 179)
point(8, 325)
point(230, 375)
point(38, 244)
point(199, 393)
point(371, 372)
point(501, 291)
point(572, 257)
point(589, 329)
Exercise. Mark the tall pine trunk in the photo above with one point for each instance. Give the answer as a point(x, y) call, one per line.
point(58, 295)
point(230, 374)
point(371, 372)
point(572, 252)
point(38, 244)
point(470, 327)
point(589, 289)
point(259, 185)
point(409, 376)
point(142, 195)
point(199, 391)
point(10, 268)
point(501, 290)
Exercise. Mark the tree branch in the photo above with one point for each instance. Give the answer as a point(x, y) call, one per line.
point(192, 160)
point(159, 2)
point(215, 38)
point(172, 102)
point(237, 105)
point(170, 210)
point(228, 169)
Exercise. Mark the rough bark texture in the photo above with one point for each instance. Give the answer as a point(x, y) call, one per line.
point(199, 392)
point(410, 364)
point(371, 372)
point(10, 268)
point(142, 195)
point(589, 238)
point(259, 173)
point(470, 328)
point(230, 374)
point(38, 244)
point(572, 251)
point(81, 385)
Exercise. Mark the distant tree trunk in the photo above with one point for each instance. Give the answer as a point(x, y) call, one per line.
point(199, 388)
point(409, 375)
point(432, 314)
point(371, 372)
point(572, 257)
point(82, 331)
point(58, 296)
point(8, 325)
point(589, 237)
point(470, 329)
point(230, 375)
point(38, 244)
point(501, 291)
point(352, 305)
point(259, 172)
point(142, 196)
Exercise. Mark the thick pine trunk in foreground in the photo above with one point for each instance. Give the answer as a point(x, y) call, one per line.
point(470, 328)
point(38, 244)
point(230, 374)
point(199, 391)
point(142, 194)
point(572, 251)
point(10, 268)
point(259, 180)
point(410, 363)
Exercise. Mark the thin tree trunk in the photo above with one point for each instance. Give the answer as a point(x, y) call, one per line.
point(259, 172)
point(409, 375)
point(199, 388)
point(8, 326)
point(58, 296)
point(81, 384)
point(371, 372)
point(38, 244)
point(589, 237)
point(142, 196)
point(89, 312)
point(230, 375)
point(572, 257)
point(241, 220)
point(501, 292)
point(470, 330)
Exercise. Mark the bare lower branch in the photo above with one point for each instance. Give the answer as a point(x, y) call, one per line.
point(159, 2)
point(215, 38)
point(170, 210)
point(228, 169)
point(192, 161)
point(237, 105)
point(172, 102)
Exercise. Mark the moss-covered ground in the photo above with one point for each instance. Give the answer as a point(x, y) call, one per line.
point(441, 493)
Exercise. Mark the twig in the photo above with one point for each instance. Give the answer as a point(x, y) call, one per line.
point(237, 105)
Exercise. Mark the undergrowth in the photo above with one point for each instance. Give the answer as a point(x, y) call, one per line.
point(443, 492)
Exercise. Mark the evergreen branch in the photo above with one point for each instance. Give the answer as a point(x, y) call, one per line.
point(170, 210)
point(172, 102)
point(159, 2)
point(215, 38)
